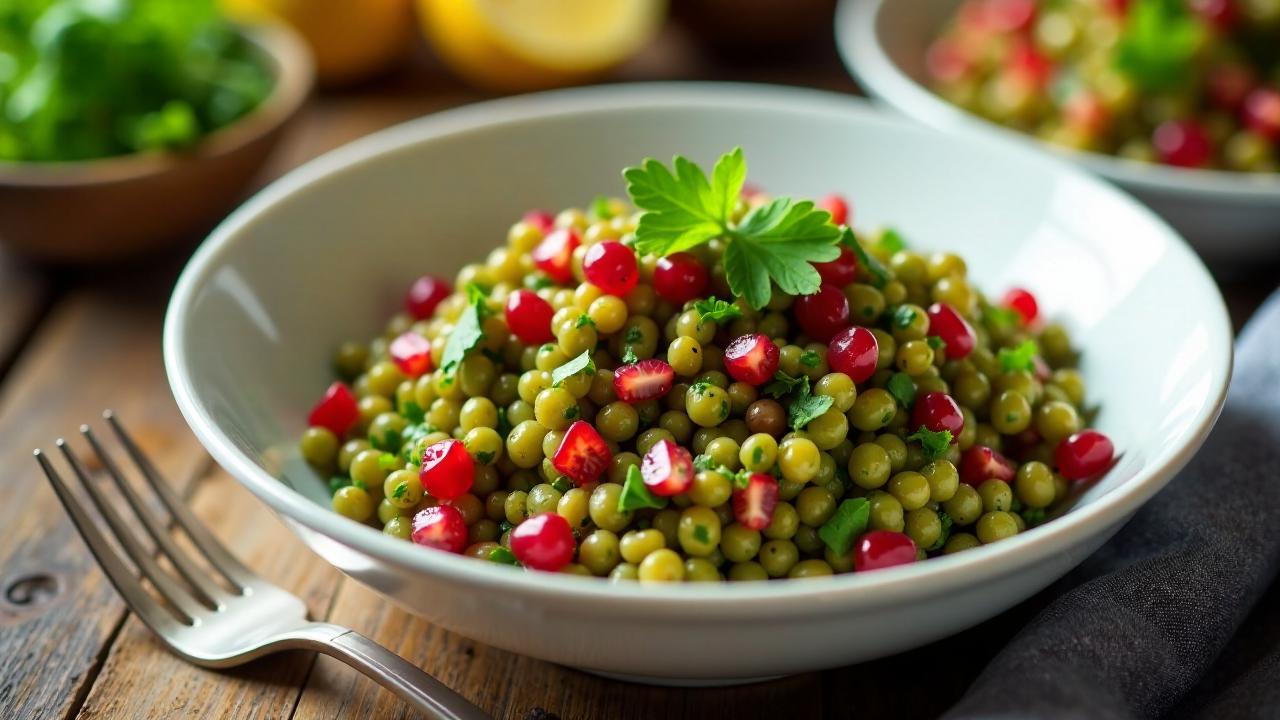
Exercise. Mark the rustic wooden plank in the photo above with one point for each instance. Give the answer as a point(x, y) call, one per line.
point(24, 290)
point(268, 688)
point(100, 347)
point(511, 686)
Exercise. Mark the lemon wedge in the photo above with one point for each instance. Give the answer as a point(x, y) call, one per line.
point(529, 44)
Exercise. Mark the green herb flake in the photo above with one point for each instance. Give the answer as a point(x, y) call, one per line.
point(936, 343)
point(562, 484)
point(716, 310)
point(1033, 516)
point(1022, 357)
point(503, 556)
point(903, 316)
point(337, 482)
point(387, 461)
point(635, 495)
point(412, 412)
point(1001, 318)
point(849, 521)
point(572, 412)
point(358, 484)
point(878, 273)
point(401, 490)
point(467, 332)
point(947, 524)
point(701, 534)
point(485, 458)
point(783, 384)
point(805, 407)
point(934, 443)
point(634, 335)
point(902, 388)
point(580, 364)
point(757, 455)
point(810, 359)
point(629, 356)
point(600, 208)
point(583, 321)
point(891, 241)
point(1159, 44)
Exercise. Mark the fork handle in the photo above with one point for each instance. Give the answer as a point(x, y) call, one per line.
point(396, 674)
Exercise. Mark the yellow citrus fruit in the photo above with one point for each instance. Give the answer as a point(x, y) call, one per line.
point(529, 44)
point(350, 39)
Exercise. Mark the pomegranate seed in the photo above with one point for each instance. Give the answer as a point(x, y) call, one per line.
point(980, 463)
point(1028, 66)
point(554, 255)
point(854, 352)
point(938, 411)
point(952, 329)
point(447, 470)
point(411, 353)
point(1182, 143)
point(823, 313)
point(425, 294)
point(947, 61)
point(583, 454)
point(752, 359)
point(644, 380)
point(679, 278)
point(1085, 112)
point(841, 271)
point(441, 527)
point(1024, 303)
point(753, 505)
point(543, 542)
point(1262, 112)
point(838, 208)
point(667, 469)
point(611, 266)
point(1221, 13)
point(1084, 455)
point(336, 410)
point(1228, 85)
point(529, 317)
point(881, 549)
point(541, 219)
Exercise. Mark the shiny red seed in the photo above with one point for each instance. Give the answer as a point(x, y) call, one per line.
point(1027, 65)
point(1084, 455)
point(540, 219)
point(667, 469)
point(823, 313)
point(952, 329)
point(644, 380)
point(447, 470)
point(1261, 112)
point(881, 549)
point(554, 255)
point(752, 359)
point(754, 504)
point(425, 294)
point(1024, 303)
point(411, 353)
point(1182, 143)
point(583, 455)
point(854, 351)
point(337, 410)
point(543, 542)
point(611, 266)
point(980, 463)
point(841, 271)
point(679, 278)
point(441, 527)
point(1228, 84)
point(529, 317)
point(836, 205)
point(938, 411)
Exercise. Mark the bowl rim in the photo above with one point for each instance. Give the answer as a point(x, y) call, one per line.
point(837, 594)
point(294, 74)
point(858, 38)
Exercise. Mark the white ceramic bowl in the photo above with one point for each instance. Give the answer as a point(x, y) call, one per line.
point(326, 253)
point(1229, 217)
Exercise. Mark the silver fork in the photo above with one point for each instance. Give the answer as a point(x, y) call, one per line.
point(202, 621)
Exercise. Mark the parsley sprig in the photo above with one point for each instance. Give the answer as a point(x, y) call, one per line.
point(774, 243)
point(1159, 43)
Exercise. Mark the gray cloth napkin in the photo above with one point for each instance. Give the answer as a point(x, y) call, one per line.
point(1173, 617)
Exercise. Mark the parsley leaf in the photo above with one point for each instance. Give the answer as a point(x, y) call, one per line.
point(716, 310)
point(635, 495)
point(947, 524)
point(1159, 44)
point(629, 356)
point(779, 241)
point(503, 556)
point(935, 443)
point(684, 209)
point(580, 364)
point(849, 521)
point(584, 320)
point(634, 335)
point(937, 343)
point(783, 384)
point(878, 272)
point(1022, 357)
point(412, 412)
point(401, 490)
point(903, 316)
point(902, 388)
point(805, 407)
point(810, 359)
point(467, 332)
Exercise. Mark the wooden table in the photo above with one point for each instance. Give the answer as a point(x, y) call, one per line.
point(75, 342)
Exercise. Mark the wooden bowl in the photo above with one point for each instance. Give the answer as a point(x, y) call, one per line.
point(96, 210)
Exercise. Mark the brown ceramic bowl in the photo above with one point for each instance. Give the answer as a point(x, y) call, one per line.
point(97, 210)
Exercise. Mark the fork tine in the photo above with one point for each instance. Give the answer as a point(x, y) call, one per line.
point(213, 550)
point(177, 596)
point(209, 593)
point(121, 576)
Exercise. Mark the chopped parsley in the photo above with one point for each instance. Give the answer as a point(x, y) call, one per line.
point(937, 343)
point(634, 335)
point(716, 310)
point(849, 521)
point(484, 458)
point(1159, 44)
point(580, 364)
point(802, 405)
point(584, 320)
point(868, 262)
point(503, 556)
point(902, 388)
point(1033, 516)
point(947, 524)
point(467, 332)
point(629, 356)
point(810, 359)
point(701, 534)
point(891, 241)
point(1001, 318)
point(1022, 357)
point(783, 384)
point(757, 455)
point(401, 490)
point(635, 495)
point(903, 316)
point(571, 412)
point(337, 482)
point(934, 443)
point(412, 412)
point(562, 484)
point(387, 461)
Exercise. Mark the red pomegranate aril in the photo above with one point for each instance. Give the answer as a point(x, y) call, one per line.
point(425, 294)
point(1261, 112)
point(583, 455)
point(1086, 113)
point(938, 411)
point(1024, 303)
point(611, 266)
point(667, 469)
point(1221, 13)
point(752, 359)
point(541, 219)
point(1084, 455)
point(841, 271)
point(679, 278)
point(447, 470)
point(529, 317)
point(1028, 66)
point(337, 410)
point(1229, 84)
point(554, 255)
point(1182, 143)
point(854, 352)
point(543, 542)
point(411, 353)
point(754, 504)
point(1010, 15)
point(952, 329)
point(644, 380)
point(880, 549)
point(837, 206)
point(441, 527)
point(823, 313)
point(980, 463)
